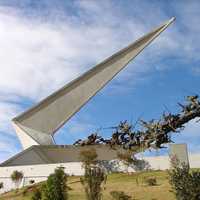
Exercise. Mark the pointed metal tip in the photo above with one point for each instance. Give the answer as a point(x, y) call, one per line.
point(172, 20)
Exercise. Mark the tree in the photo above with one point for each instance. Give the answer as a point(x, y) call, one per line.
point(17, 177)
point(185, 183)
point(152, 134)
point(56, 186)
point(88, 156)
point(94, 175)
point(92, 182)
point(37, 195)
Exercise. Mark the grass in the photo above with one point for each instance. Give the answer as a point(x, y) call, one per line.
point(132, 184)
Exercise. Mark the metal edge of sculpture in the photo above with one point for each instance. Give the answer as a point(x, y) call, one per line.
point(37, 125)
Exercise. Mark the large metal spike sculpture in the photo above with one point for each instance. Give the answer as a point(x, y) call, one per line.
point(38, 125)
point(155, 134)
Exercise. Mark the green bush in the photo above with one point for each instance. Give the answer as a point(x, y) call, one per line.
point(88, 156)
point(185, 183)
point(94, 176)
point(17, 177)
point(24, 191)
point(16, 191)
point(151, 181)
point(92, 182)
point(56, 186)
point(119, 195)
point(37, 195)
point(1, 185)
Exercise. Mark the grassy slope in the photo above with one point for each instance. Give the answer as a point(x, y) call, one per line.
point(119, 182)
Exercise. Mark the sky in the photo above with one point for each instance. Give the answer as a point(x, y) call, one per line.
point(46, 44)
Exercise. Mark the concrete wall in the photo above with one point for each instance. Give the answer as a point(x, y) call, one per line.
point(37, 173)
point(40, 173)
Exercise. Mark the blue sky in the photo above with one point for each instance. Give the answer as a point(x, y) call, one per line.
point(46, 43)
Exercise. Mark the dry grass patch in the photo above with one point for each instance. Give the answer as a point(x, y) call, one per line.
point(117, 182)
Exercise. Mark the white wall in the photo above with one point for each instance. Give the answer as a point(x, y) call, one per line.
point(40, 173)
point(37, 173)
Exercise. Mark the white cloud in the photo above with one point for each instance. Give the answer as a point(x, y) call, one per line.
point(7, 112)
point(190, 135)
point(38, 57)
point(196, 70)
point(33, 60)
point(191, 130)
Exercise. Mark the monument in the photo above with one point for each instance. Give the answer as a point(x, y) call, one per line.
point(180, 152)
point(36, 127)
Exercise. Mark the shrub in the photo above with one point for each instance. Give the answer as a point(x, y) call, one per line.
point(151, 181)
point(94, 176)
point(56, 186)
point(16, 177)
point(119, 195)
point(185, 183)
point(37, 195)
point(24, 192)
point(1, 185)
point(88, 156)
point(16, 191)
point(92, 182)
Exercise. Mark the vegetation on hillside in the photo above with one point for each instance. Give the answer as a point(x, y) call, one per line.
point(185, 183)
point(55, 188)
point(115, 182)
point(94, 175)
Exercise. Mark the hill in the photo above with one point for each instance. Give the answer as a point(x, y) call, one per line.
point(133, 184)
